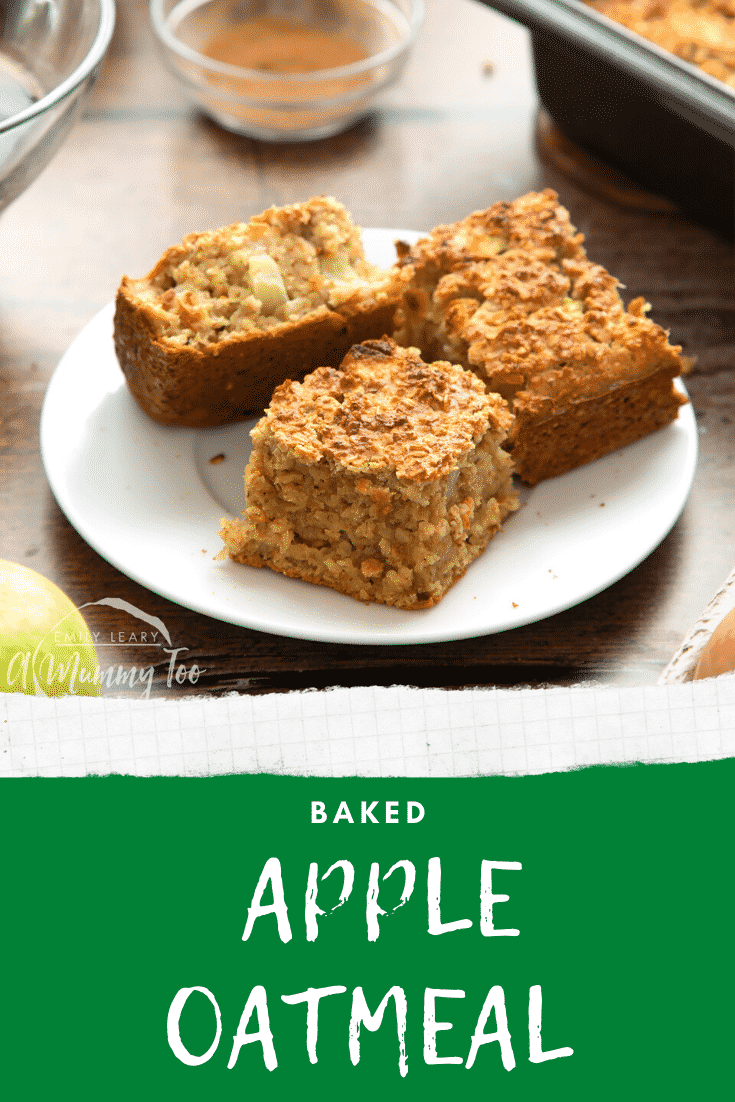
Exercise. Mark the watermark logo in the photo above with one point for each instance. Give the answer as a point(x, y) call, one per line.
point(74, 659)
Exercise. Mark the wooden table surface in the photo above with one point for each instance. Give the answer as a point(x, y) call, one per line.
point(141, 169)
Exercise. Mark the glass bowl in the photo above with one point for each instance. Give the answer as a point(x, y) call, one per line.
point(251, 66)
point(50, 53)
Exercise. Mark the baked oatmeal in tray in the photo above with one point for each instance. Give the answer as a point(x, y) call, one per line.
point(510, 293)
point(227, 315)
point(701, 32)
point(383, 479)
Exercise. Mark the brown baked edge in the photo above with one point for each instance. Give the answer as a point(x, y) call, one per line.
point(589, 428)
point(304, 576)
point(235, 378)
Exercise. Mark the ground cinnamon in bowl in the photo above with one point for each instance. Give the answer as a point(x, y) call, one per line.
point(281, 46)
point(286, 72)
point(271, 46)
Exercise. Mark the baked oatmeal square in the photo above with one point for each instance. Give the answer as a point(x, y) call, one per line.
point(510, 293)
point(383, 479)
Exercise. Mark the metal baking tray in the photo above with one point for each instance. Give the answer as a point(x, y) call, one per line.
point(662, 122)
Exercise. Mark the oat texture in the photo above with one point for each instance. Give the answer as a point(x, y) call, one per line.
point(227, 315)
point(510, 293)
point(701, 32)
point(382, 480)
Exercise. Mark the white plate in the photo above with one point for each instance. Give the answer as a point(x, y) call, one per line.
point(149, 501)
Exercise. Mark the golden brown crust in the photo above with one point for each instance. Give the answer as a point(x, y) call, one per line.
point(535, 222)
point(199, 347)
point(234, 378)
point(382, 480)
point(385, 408)
point(544, 327)
point(701, 32)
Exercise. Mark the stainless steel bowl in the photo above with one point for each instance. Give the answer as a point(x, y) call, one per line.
point(50, 54)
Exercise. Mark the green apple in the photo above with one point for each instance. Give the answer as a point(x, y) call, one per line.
point(45, 646)
point(267, 282)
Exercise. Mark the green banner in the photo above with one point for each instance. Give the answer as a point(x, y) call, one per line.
point(565, 936)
